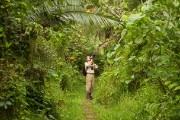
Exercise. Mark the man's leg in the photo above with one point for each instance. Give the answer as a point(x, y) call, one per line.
point(92, 85)
point(88, 86)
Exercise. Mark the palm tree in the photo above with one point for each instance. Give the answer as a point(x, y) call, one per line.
point(67, 11)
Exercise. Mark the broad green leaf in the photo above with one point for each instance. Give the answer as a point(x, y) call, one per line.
point(53, 73)
point(110, 61)
point(2, 34)
point(155, 57)
point(158, 28)
point(131, 58)
point(1, 104)
point(133, 18)
point(8, 44)
point(173, 85)
point(138, 40)
point(116, 47)
point(137, 16)
point(5, 106)
point(127, 81)
point(117, 59)
point(110, 54)
point(177, 88)
point(145, 81)
point(132, 76)
point(146, 49)
point(123, 33)
point(167, 82)
point(145, 7)
point(166, 14)
point(52, 117)
point(124, 17)
point(8, 103)
point(176, 3)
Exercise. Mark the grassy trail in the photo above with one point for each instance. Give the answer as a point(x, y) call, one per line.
point(89, 114)
point(73, 104)
point(79, 108)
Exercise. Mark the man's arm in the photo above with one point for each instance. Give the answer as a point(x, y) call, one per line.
point(95, 66)
point(87, 65)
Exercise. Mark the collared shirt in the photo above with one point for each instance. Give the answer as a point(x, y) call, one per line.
point(90, 68)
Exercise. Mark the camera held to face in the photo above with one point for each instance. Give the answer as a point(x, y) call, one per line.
point(92, 67)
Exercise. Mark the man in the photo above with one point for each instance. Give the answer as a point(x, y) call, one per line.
point(89, 67)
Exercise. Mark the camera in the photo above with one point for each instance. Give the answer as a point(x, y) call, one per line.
point(92, 57)
point(92, 68)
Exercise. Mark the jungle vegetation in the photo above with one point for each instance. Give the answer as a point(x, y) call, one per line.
point(44, 44)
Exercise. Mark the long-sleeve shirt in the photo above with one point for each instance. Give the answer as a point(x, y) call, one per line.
point(90, 68)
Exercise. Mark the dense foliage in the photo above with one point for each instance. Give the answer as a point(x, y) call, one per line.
point(40, 44)
point(142, 71)
point(43, 46)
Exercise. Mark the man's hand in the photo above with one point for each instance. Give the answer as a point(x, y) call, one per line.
point(91, 62)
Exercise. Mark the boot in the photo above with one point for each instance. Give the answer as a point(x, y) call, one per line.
point(88, 96)
point(91, 97)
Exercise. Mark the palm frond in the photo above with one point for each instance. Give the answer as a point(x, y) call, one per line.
point(70, 10)
point(88, 19)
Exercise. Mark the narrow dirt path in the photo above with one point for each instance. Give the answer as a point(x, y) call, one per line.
point(89, 114)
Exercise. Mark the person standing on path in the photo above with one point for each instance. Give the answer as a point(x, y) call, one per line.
point(89, 67)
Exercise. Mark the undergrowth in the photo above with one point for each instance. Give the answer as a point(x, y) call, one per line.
point(69, 103)
point(147, 103)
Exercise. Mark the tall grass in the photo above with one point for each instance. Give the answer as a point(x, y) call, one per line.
point(69, 103)
point(145, 104)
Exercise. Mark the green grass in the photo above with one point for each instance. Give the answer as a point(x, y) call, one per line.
point(140, 106)
point(124, 110)
point(69, 104)
point(73, 106)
